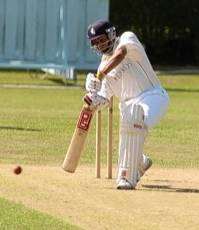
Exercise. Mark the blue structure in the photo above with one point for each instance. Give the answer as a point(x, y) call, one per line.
point(50, 34)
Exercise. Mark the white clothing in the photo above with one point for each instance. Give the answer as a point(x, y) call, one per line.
point(154, 102)
point(133, 76)
point(136, 85)
point(92, 83)
point(132, 136)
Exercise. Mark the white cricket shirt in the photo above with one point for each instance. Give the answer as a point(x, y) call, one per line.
point(133, 76)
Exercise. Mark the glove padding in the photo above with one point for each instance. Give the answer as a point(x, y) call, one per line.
point(95, 101)
point(92, 83)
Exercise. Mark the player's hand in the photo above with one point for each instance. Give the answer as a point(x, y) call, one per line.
point(92, 83)
point(95, 101)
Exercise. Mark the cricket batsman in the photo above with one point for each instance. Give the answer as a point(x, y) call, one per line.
point(125, 72)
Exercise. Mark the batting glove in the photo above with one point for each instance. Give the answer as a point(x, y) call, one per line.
point(95, 101)
point(92, 83)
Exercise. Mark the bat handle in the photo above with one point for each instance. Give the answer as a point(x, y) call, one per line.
point(100, 75)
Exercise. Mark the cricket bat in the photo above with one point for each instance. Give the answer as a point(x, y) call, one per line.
point(78, 140)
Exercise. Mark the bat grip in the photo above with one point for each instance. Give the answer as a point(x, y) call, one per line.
point(100, 75)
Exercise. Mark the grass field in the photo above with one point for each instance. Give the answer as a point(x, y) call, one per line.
point(16, 216)
point(36, 125)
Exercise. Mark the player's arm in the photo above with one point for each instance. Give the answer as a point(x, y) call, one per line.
point(114, 61)
point(93, 83)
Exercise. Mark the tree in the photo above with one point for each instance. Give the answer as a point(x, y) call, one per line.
point(168, 29)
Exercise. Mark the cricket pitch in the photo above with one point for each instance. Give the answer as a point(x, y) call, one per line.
point(165, 198)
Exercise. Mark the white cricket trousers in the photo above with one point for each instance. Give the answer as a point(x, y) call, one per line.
point(154, 102)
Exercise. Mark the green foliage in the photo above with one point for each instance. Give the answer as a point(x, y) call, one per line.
point(16, 216)
point(168, 29)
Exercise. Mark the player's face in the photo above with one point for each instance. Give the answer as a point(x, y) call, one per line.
point(101, 43)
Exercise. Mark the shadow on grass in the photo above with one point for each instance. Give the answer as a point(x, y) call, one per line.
point(182, 90)
point(177, 70)
point(168, 188)
point(58, 81)
point(19, 128)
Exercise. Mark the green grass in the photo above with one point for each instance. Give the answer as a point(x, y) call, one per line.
point(36, 125)
point(176, 138)
point(16, 216)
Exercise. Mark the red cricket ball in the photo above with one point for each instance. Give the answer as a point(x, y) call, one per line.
point(17, 170)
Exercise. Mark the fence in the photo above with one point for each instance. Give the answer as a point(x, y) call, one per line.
point(48, 34)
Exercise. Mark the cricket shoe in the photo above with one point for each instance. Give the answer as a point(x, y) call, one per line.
point(124, 184)
point(146, 165)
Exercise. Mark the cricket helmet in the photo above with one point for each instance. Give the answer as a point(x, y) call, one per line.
point(102, 36)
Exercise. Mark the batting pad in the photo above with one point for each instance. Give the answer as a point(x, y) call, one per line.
point(132, 136)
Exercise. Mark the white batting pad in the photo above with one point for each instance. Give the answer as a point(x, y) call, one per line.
point(132, 135)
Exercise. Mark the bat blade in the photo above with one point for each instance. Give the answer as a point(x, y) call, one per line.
point(78, 140)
